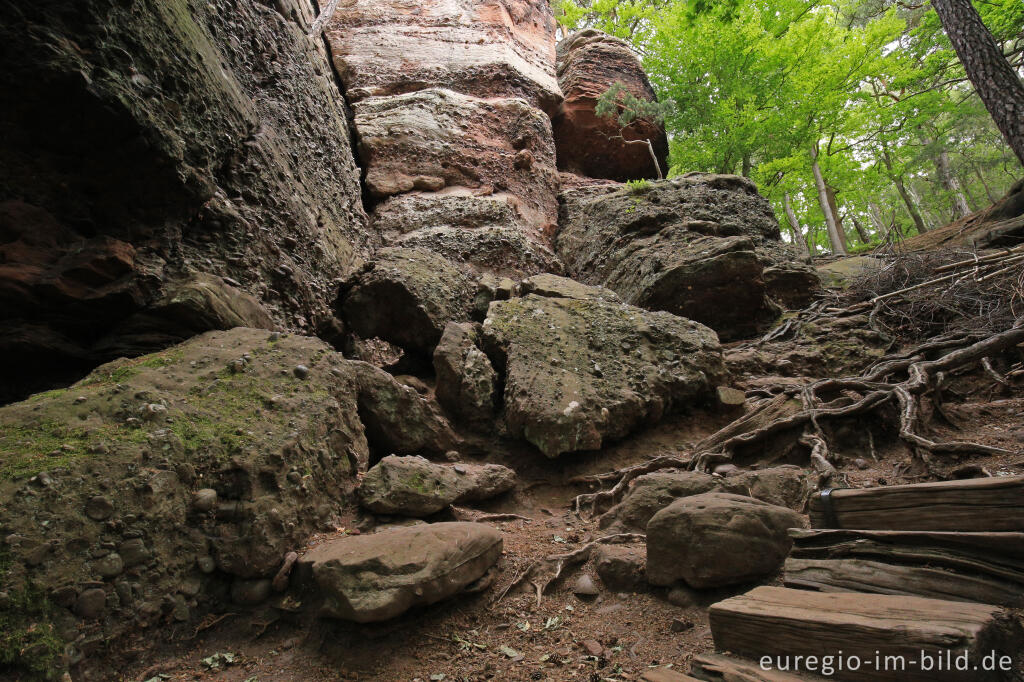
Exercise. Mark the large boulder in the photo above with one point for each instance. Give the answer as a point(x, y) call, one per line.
point(697, 246)
point(580, 371)
point(161, 478)
point(375, 577)
point(406, 296)
point(488, 48)
point(414, 486)
point(398, 418)
point(717, 539)
point(466, 382)
point(589, 62)
point(188, 159)
point(786, 486)
point(434, 139)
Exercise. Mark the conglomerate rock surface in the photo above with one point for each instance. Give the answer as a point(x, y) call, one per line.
point(697, 246)
point(146, 150)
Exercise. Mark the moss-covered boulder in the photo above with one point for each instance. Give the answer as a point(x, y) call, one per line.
point(133, 498)
point(414, 486)
point(580, 371)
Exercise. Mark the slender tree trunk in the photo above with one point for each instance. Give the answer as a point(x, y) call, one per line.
point(876, 218)
point(929, 218)
point(834, 205)
point(988, 190)
point(952, 185)
point(997, 84)
point(897, 180)
point(746, 165)
point(794, 227)
point(835, 237)
point(865, 238)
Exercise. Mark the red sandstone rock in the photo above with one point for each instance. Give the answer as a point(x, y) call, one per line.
point(487, 48)
point(589, 62)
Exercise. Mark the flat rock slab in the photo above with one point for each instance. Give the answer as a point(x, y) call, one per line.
point(716, 539)
point(367, 578)
point(776, 621)
point(718, 668)
point(579, 372)
point(973, 505)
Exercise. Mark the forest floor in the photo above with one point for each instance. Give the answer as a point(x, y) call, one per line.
point(510, 636)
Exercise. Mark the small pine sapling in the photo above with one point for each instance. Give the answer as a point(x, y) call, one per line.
point(623, 107)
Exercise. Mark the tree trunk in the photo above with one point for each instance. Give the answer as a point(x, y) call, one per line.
point(929, 218)
point(835, 237)
point(984, 183)
point(746, 165)
point(865, 238)
point(952, 185)
point(897, 180)
point(794, 226)
point(876, 219)
point(997, 84)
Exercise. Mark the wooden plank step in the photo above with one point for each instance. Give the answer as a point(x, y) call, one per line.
point(974, 505)
point(719, 668)
point(876, 630)
point(666, 675)
point(980, 567)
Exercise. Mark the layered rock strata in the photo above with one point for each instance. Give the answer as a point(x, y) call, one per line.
point(451, 105)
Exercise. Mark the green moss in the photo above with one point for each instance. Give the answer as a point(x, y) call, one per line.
point(122, 370)
point(29, 643)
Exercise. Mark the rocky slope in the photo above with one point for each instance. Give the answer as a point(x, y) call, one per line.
point(338, 358)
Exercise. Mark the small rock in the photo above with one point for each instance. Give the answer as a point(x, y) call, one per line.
point(99, 508)
point(682, 596)
point(42, 479)
point(250, 592)
point(206, 564)
point(861, 463)
point(109, 566)
point(301, 371)
point(91, 603)
point(731, 397)
point(681, 625)
point(134, 552)
point(204, 500)
point(621, 568)
point(970, 471)
point(726, 469)
point(585, 586)
point(592, 647)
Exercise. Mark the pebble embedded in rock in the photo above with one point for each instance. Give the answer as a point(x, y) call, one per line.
point(681, 625)
point(585, 586)
point(682, 596)
point(726, 469)
point(99, 508)
point(204, 500)
point(91, 603)
point(301, 371)
point(109, 566)
point(206, 564)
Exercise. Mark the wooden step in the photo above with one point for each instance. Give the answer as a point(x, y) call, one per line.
point(719, 668)
point(974, 505)
point(979, 567)
point(777, 621)
point(666, 675)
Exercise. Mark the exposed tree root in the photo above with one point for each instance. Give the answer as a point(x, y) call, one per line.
point(542, 572)
point(849, 396)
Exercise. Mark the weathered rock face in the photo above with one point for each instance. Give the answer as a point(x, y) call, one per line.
point(467, 383)
point(398, 419)
point(621, 567)
point(492, 48)
point(717, 539)
point(406, 296)
point(189, 160)
point(696, 246)
point(414, 486)
point(436, 138)
point(375, 577)
point(589, 62)
point(451, 103)
point(582, 371)
point(158, 477)
point(785, 486)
